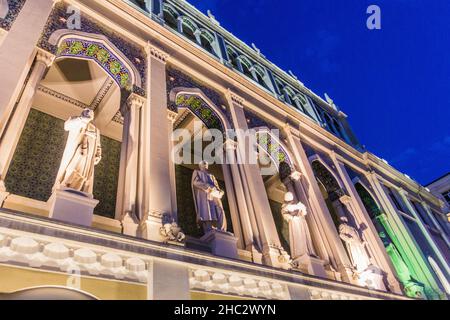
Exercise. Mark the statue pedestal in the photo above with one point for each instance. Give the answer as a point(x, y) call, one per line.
point(72, 206)
point(129, 225)
point(311, 265)
point(222, 244)
point(372, 278)
point(150, 228)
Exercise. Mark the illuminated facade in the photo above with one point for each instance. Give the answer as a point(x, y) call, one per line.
point(147, 68)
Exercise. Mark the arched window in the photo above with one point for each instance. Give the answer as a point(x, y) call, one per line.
point(141, 4)
point(207, 41)
point(233, 58)
point(289, 95)
point(188, 28)
point(261, 76)
point(246, 67)
point(170, 17)
point(280, 86)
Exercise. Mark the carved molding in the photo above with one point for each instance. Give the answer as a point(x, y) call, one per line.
point(45, 57)
point(157, 53)
point(236, 99)
point(62, 97)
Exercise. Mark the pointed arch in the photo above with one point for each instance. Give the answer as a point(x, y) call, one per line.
point(326, 176)
point(82, 45)
point(283, 153)
point(196, 101)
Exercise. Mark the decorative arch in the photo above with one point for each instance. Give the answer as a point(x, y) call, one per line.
point(185, 20)
point(170, 15)
point(209, 37)
point(50, 293)
point(245, 61)
point(81, 45)
point(199, 104)
point(370, 203)
point(171, 10)
point(282, 154)
point(327, 177)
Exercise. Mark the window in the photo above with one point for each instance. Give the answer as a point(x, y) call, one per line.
point(394, 199)
point(261, 76)
point(422, 214)
point(246, 67)
point(447, 196)
point(207, 41)
point(141, 4)
point(189, 28)
point(170, 17)
point(233, 58)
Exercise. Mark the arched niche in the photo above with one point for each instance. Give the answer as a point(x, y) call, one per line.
point(193, 105)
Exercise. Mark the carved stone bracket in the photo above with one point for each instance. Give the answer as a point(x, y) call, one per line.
point(236, 99)
point(45, 57)
point(157, 53)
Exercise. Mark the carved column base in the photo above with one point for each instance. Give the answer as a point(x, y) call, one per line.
point(415, 290)
point(222, 244)
point(372, 278)
point(130, 225)
point(72, 206)
point(311, 265)
point(150, 228)
point(277, 258)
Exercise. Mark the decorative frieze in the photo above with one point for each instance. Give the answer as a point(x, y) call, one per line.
point(37, 252)
point(236, 284)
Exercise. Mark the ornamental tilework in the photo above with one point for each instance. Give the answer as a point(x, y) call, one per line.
point(177, 79)
point(36, 160)
point(99, 53)
point(266, 142)
point(35, 164)
point(106, 178)
point(14, 9)
point(58, 20)
point(201, 109)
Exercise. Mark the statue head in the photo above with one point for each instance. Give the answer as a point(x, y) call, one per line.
point(203, 165)
point(288, 197)
point(88, 114)
point(344, 219)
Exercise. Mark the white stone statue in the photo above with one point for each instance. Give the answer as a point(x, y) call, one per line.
point(208, 200)
point(355, 246)
point(299, 235)
point(82, 153)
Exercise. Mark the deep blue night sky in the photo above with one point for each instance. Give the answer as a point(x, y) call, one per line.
point(393, 83)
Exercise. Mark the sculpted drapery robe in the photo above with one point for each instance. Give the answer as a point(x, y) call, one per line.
point(355, 247)
point(299, 236)
point(83, 151)
point(208, 206)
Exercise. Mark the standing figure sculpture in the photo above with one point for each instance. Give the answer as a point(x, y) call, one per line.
point(299, 235)
point(82, 153)
point(355, 246)
point(208, 200)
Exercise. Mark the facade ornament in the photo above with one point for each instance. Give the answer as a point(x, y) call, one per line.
point(299, 236)
point(236, 99)
point(170, 230)
point(45, 57)
point(82, 153)
point(156, 53)
point(208, 200)
point(213, 18)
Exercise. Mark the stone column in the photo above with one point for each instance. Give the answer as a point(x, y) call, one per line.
point(273, 253)
point(404, 194)
point(370, 233)
point(17, 53)
point(154, 185)
point(420, 268)
point(126, 205)
point(331, 249)
point(13, 131)
point(247, 233)
point(171, 117)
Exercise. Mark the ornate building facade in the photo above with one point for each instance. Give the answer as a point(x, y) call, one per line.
point(144, 68)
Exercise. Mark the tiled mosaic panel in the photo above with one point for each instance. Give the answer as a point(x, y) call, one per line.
point(187, 218)
point(39, 152)
point(106, 177)
point(36, 160)
point(14, 9)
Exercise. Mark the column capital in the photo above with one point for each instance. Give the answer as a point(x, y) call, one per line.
point(230, 144)
point(45, 57)
point(133, 101)
point(236, 99)
point(156, 53)
point(172, 115)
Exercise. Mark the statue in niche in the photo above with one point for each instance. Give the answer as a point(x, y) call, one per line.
point(355, 246)
point(299, 236)
point(82, 153)
point(208, 200)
